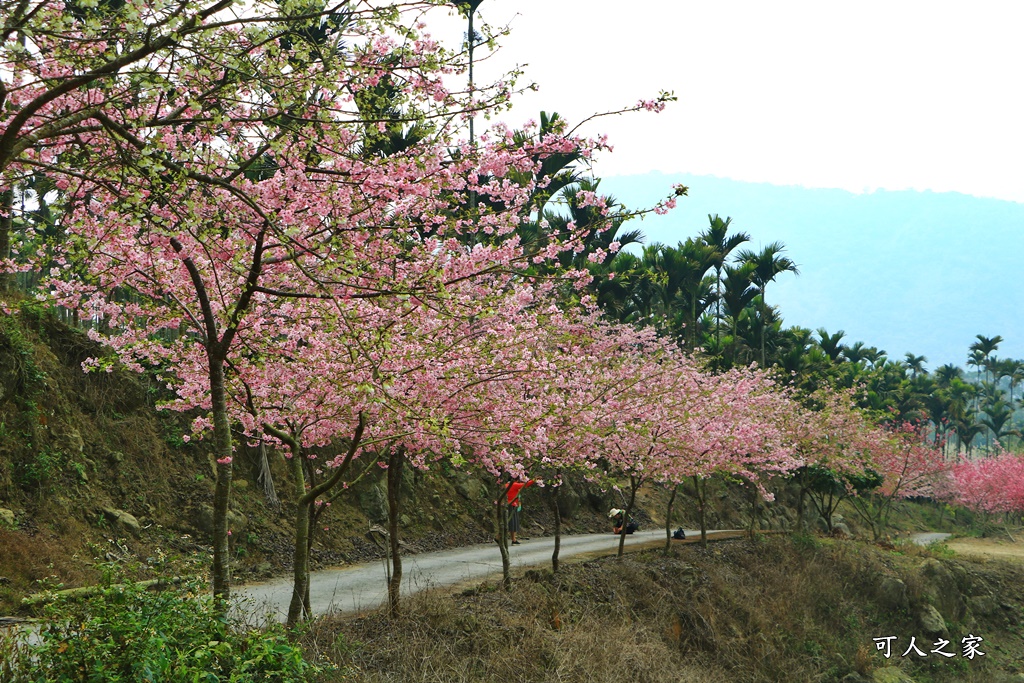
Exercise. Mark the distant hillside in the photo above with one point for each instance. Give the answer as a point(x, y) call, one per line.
point(902, 271)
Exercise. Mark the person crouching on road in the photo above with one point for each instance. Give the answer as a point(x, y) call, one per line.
point(617, 515)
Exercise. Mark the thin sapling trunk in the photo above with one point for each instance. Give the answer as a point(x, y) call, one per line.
point(700, 492)
point(668, 519)
point(634, 484)
point(558, 522)
point(396, 458)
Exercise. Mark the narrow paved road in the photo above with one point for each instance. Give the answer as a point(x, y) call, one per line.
point(930, 537)
point(360, 587)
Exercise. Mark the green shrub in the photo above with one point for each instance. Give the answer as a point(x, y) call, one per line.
point(126, 633)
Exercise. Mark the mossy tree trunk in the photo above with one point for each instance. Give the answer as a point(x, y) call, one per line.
point(217, 345)
point(755, 509)
point(800, 525)
point(222, 488)
point(6, 226)
point(300, 607)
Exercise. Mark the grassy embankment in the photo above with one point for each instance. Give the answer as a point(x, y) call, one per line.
point(776, 609)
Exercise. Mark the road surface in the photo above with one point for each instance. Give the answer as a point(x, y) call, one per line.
point(363, 586)
point(930, 537)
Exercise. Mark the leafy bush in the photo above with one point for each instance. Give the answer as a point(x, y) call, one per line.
point(126, 633)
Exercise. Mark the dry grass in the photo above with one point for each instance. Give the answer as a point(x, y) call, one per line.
point(987, 547)
point(773, 610)
point(26, 560)
point(538, 632)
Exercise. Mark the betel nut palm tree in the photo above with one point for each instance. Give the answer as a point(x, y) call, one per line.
point(915, 364)
point(831, 344)
point(984, 347)
point(716, 237)
point(769, 263)
point(739, 293)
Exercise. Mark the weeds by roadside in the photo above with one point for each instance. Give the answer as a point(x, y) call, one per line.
point(126, 633)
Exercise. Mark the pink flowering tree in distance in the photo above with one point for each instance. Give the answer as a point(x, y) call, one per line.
point(731, 424)
point(910, 466)
point(563, 405)
point(637, 429)
point(991, 485)
point(835, 441)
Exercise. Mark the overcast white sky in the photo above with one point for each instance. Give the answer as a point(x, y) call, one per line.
point(897, 94)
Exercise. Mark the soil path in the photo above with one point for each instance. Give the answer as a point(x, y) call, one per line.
point(995, 548)
point(1010, 548)
point(361, 587)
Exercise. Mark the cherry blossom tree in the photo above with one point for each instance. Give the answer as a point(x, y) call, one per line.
point(643, 420)
point(564, 406)
point(835, 441)
point(393, 380)
point(79, 78)
point(227, 188)
point(910, 466)
point(731, 424)
point(990, 485)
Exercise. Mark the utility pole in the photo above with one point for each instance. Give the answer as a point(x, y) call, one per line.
point(470, 7)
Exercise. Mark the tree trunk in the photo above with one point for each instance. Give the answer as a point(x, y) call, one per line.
point(307, 511)
point(800, 510)
point(298, 607)
point(396, 459)
point(700, 490)
point(718, 310)
point(470, 44)
point(634, 484)
point(754, 511)
point(6, 226)
point(826, 505)
point(668, 519)
point(501, 533)
point(306, 601)
point(222, 491)
point(764, 322)
point(558, 524)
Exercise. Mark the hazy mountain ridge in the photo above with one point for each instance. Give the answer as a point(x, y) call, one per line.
point(901, 270)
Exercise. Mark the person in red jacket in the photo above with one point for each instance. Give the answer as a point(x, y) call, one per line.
point(515, 505)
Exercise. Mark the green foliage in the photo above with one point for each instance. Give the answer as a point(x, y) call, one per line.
point(941, 549)
point(173, 436)
point(18, 364)
point(866, 481)
point(129, 634)
point(805, 541)
point(39, 471)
